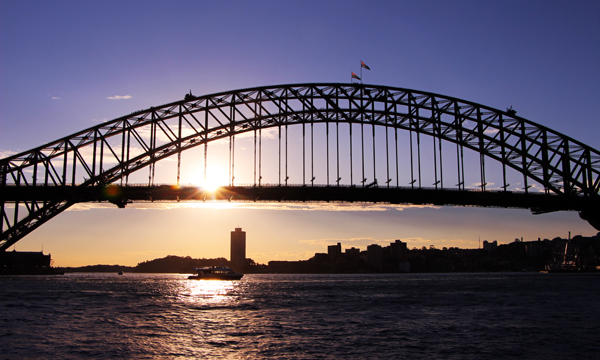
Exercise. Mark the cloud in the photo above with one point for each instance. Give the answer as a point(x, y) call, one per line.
point(119, 97)
point(283, 206)
point(216, 205)
point(90, 206)
point(412, 242)
point(6, 153)
point(418, 242)
point(284, 255)
point(477, 185)
point(348, 241)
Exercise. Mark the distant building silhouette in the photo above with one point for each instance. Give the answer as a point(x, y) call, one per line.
point(374, 256)
point(398, 255)
point(238, 248)
point(579, 254)
point(490, 246)
point(334, 251)
point(25, 263)
point(399, 251)
point(353, 252)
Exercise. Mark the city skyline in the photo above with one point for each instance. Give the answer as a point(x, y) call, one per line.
point(61, 77)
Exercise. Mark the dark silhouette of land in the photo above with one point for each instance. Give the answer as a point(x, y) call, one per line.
point(576, 254)
point(99, 269)
point(579, 254)
point(168, 264)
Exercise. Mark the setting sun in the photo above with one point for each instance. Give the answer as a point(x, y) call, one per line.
point(210, 184)
point(217, 177)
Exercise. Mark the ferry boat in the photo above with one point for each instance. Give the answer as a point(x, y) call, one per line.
point(215, 273)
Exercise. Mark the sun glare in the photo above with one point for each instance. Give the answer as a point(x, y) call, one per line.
point(210, 292)
point(216, 177)
point(210, 184)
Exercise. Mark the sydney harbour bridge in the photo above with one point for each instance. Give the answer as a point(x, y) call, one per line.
point(306, 142)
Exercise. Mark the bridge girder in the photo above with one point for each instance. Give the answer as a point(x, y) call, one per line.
point(113, 150)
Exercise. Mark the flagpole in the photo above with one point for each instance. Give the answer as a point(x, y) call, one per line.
point(361, 72)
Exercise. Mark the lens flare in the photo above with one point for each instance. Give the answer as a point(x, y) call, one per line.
point(216, 176)
point(210, 184)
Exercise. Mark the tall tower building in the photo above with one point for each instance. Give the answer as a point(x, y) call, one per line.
point(238, 248)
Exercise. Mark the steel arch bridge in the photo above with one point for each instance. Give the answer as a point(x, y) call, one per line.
point(556, 171)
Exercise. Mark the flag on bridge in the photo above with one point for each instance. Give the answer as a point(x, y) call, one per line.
point(354, 76)
point(362, 64)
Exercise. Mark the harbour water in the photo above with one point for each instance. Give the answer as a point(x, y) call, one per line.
point(415, 316)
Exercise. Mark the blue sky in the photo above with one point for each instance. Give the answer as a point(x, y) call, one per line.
point(68, 65)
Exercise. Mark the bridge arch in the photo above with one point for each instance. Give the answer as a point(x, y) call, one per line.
point(109, 152)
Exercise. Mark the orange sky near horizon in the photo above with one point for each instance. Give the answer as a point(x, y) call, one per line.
point(291, 231)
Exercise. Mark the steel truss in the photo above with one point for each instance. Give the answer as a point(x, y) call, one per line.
point(108, 153)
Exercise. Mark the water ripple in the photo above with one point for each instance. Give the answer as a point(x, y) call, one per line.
point(439, 316)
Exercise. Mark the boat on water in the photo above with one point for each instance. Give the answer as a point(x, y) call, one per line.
point(215, 273)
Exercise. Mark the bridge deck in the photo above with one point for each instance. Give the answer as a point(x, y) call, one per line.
point(121, 195)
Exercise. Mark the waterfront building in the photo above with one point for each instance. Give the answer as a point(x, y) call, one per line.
point(352, 252)
point(399, 251)
point(334, 251)
point(25, 263)
point(398, 257)
point(375, 256)
point(490, 246)
point(238, 248)
point(536, 248)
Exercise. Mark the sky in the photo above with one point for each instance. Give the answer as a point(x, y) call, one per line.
point(69, 65)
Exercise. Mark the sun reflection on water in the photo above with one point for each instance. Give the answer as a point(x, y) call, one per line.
point(209, 292)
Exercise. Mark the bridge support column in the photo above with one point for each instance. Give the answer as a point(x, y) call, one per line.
point(593, 217)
